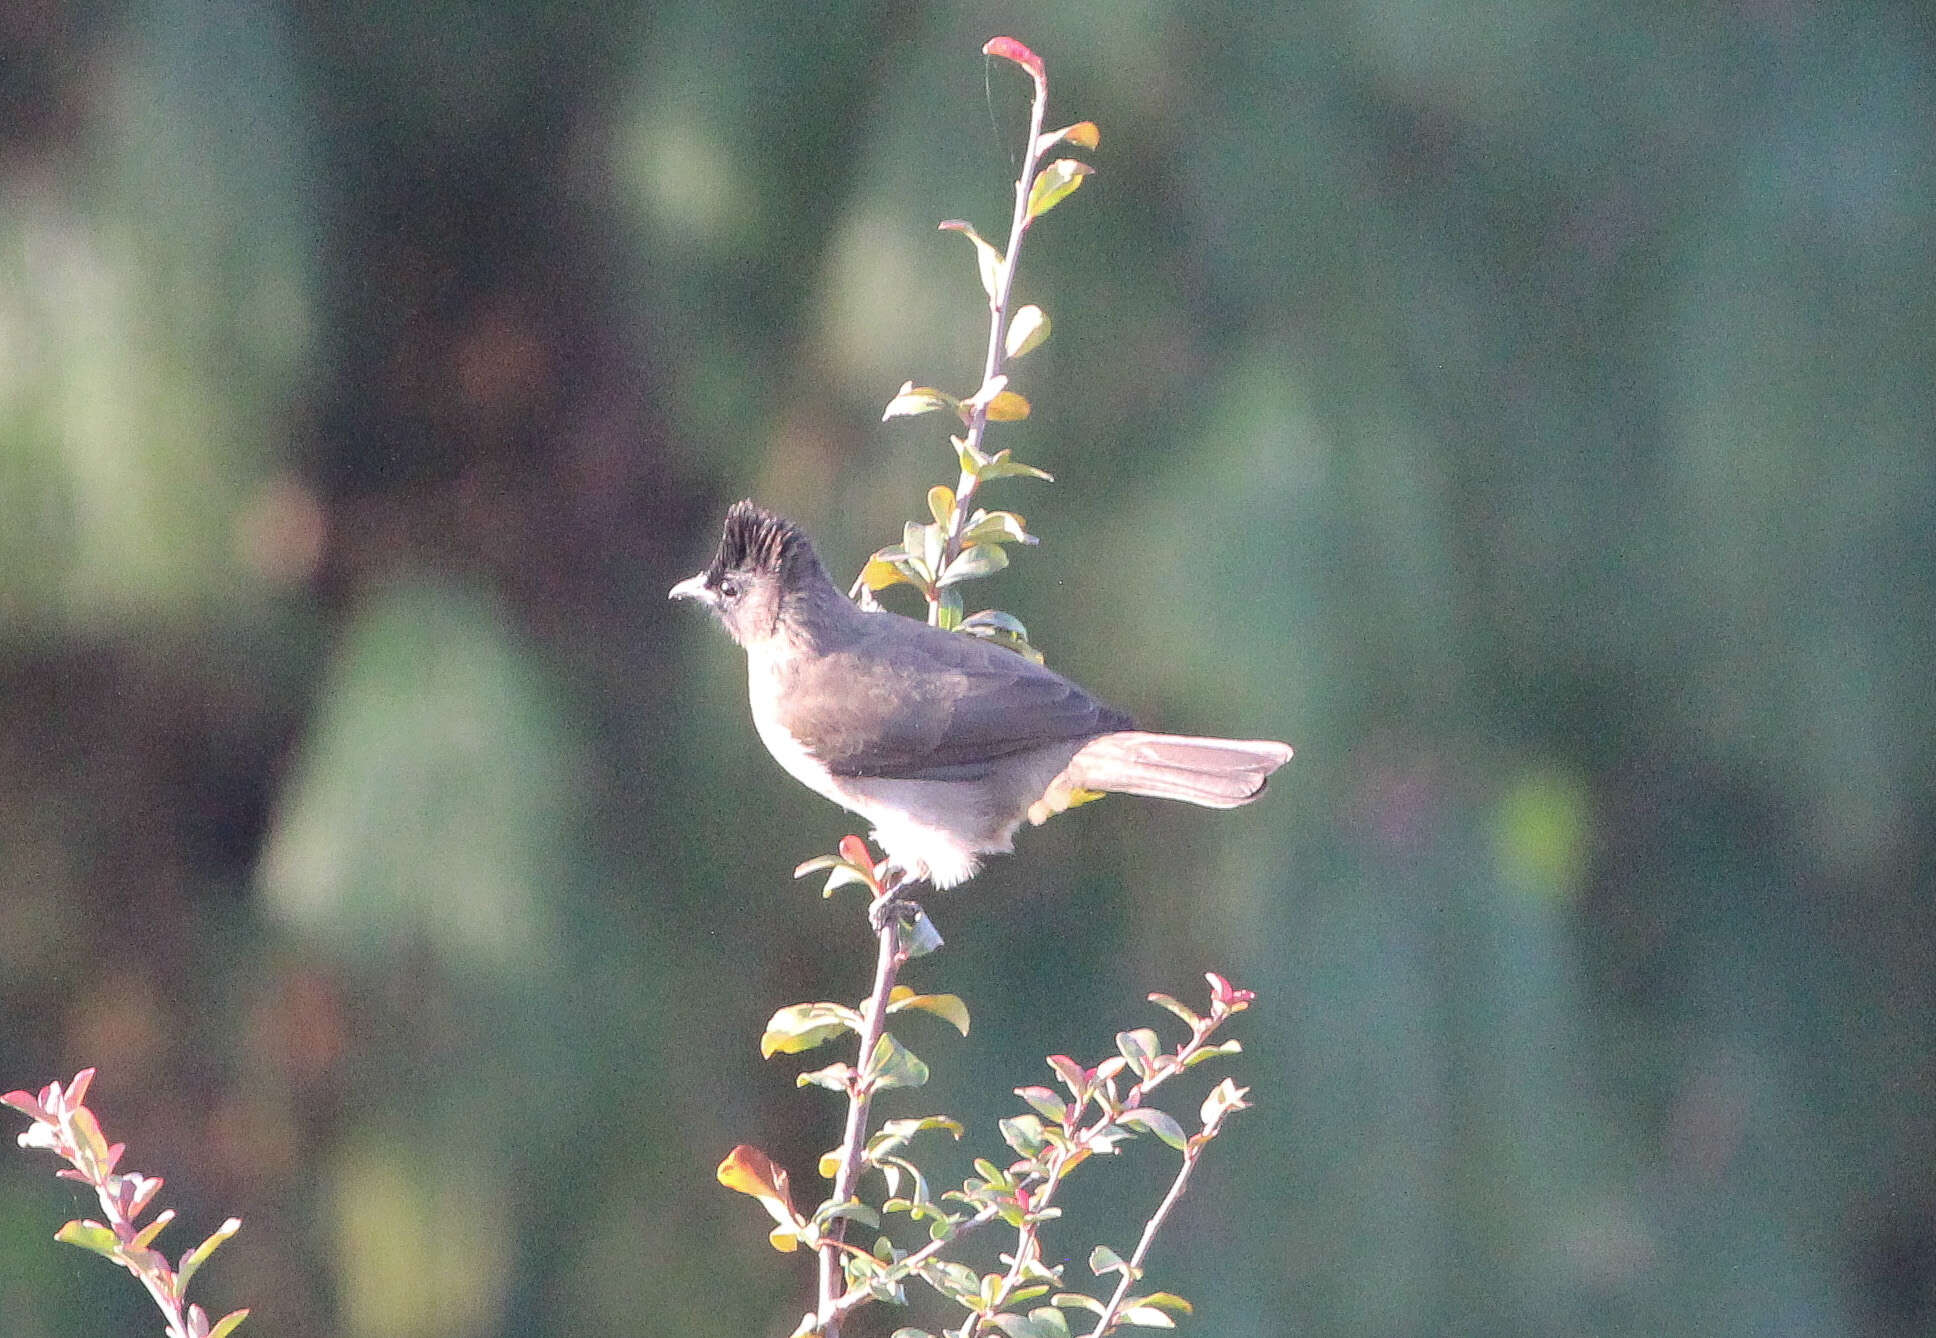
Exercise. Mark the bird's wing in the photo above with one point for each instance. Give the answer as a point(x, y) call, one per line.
point(911, 702)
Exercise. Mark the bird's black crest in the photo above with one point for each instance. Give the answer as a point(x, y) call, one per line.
point(757, 540)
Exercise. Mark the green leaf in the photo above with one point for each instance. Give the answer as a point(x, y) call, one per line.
point(945, 611)
point(835, 1077)
point(1023, 1133)
point(981, 560)
point(941, 505)
point(1054, 184)
point(853, 1209)
point(800, 1027)
point(1158, 1123)
point(910, 1333)
point(96, 1158)
point(228, 1324)
point(91, 1236)
point(843, 872)
point(924, 545)
point(1045, 1322)
point(1046, 1102)
point(1182, 1010)
point(1077, 1301)
point(894, 1065)
point(996, 527)
point(1151, 1312)
point(1026, 331)
point(1212, 1051)
point(999, 466)
point(192, 1261)
point(918, 939)
point(912, 399)
point(1140, 1048)
point(945, 1006)
point(146, 1236)
point(971, 457)
point(987, 258)
point(1003, 629)
point(1073, 1076)
point(901, 1130)
point(1104, 1260)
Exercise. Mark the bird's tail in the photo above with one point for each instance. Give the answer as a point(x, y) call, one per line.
point(1216, 773)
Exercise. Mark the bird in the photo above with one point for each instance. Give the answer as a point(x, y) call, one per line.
point(945, 742)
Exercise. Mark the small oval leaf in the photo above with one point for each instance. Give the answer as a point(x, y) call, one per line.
point(1026, 331)
point(1054, 184)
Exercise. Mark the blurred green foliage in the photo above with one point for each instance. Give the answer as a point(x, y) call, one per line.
point(1522, 406)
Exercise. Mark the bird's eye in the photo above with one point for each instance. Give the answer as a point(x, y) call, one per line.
point(729, 587)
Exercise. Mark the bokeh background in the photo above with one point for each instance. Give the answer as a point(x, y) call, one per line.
point(1523, 406)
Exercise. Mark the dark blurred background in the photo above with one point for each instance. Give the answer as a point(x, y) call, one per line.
point(1523, 406)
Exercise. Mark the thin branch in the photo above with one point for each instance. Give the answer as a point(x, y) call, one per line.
point(887, 966)
point(1150, 1228)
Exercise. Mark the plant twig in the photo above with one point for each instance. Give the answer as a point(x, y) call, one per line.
point(64, 1126)
point(889, 957)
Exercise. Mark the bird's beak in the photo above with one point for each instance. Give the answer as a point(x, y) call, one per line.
point(693, 587)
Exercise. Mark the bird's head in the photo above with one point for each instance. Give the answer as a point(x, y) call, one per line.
point(764, 565)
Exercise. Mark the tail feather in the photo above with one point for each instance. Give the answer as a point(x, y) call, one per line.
point(1216, 773)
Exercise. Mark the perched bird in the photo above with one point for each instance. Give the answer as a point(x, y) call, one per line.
point(944, 742)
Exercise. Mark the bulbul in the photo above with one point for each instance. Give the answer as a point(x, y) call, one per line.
point(944, 742)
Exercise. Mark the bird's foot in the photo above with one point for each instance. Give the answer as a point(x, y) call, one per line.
point(914, 932)
point(893, 908)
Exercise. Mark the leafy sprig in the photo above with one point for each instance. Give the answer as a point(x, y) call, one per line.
point(960, 541)
point(63, 1125)
point(1098, 1108)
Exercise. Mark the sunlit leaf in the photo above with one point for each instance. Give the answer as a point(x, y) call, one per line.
point(1158, 1123)
point(882, 572)
point(1103, 1260)
point(1230, 1047)
point(1007, 407)
point(981, 560)
point(1054, 184)
point(1183, 1011)
point(1026, 331)
point(1046, 1322)
point(971, 457)
point(912, 399)
point(999, 466)
point(1046, 1102)
point(1140, 1047)
point(228, 1324)
point(941, 505)
point(91, 1236)
point(1152, 1311)
point(996, 527)
point(747, 1170)
point(894, 1065)
point(946, 1006)
point(987, 259)
point(1023, 1133)
point(803, 1026)
point(1224, 1098)
point(1083, 134)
